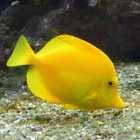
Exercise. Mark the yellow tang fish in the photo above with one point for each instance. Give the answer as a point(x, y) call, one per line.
point(71, 72)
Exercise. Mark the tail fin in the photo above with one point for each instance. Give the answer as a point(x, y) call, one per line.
point(22, 54)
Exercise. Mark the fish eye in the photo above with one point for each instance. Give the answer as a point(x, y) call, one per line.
point(110, 83)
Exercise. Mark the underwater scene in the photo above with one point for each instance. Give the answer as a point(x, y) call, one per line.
point(69, 70)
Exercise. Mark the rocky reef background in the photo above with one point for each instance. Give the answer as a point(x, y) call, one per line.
point(111, 25)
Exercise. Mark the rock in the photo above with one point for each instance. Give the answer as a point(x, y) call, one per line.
point(15, 3)
point(92, 3)
point(40, 29)
point(1, 83)
point(30, 18)
point(42, 26)
point(116, 33)
point(12, 20)
point(121, 8)
point(3, 56)
point(111, 25)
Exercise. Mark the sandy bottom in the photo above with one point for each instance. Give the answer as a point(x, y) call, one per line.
point(26, 117)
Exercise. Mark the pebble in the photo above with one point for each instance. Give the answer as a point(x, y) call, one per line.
point(138, 128)
point(73, 129)
point(25, 93)
point(15, 3)
point(17, 121)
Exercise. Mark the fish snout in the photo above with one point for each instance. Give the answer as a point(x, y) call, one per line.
point(119, 104)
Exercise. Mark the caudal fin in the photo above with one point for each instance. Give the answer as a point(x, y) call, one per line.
point(22, 54)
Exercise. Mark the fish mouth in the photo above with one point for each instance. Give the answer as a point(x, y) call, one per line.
point(119, 104)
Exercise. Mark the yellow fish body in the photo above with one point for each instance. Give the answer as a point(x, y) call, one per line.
point(71, 72)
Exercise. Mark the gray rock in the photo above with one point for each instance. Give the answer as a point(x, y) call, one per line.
point(92, 3)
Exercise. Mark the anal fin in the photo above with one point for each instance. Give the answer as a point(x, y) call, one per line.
point(70, 107)
point(38, 87)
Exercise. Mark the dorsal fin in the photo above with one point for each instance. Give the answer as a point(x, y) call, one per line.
point(66, 41)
